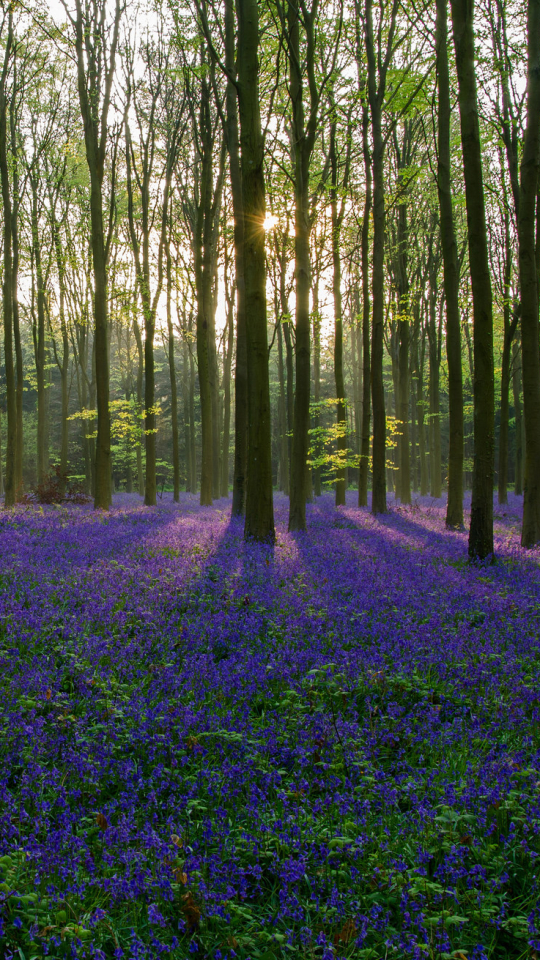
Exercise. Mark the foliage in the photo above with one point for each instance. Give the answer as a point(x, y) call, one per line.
point(57, 487)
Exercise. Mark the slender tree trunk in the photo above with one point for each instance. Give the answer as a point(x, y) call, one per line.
point(39, 339)
point(454, 509)
point(283, 440)
point(172, 374)
point(481, 529)
point(7, 287)
point(516, 390)
point(140, 369)
point(376, 97)
point(421, 421)
point(15, 287)
point(301, 150)
point(227, 404)
point(187, 430)
point(509, 329)
point(338, 323)
point(259, 523)
point(366, 332)
point(203, 366)
point(192, 436)
point(240, 379)
point(435, 452)
point(528, 278)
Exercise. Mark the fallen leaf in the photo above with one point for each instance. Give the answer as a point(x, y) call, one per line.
point(191, 912)
point(346, 933)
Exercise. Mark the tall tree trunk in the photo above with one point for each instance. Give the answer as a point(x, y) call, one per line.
point(481, 529)
point(516, 391)
point(509, 329)
point(187, 425)
point(15, 287)
point(140, 370)
point(376, 99)
point(316, 374)
point(283, 427)
point(235, 172)
point(172, 373)
point(338, 321)
point(38, 329)
point(192, 436)
point(259, 522)
point(366, 332)
point(421, 419)
point(91, 32)
point(227, 360)
point(454, 509)
point(435, 456)
point(204, 306)
point(302, 146)
point(7, 287)
point(528, 278)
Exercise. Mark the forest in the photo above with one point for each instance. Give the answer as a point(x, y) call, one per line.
point(270, 469)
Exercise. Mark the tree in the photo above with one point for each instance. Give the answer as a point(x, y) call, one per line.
point(481, 529)
point(528, 236)
point(454, 509)
point(96, 43)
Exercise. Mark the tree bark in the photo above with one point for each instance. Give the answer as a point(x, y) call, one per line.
point(94, 104)
point(516, 391)
point(337, 218)
point(454, 508)
point(7, 286)
point(528, 279)
point(172, 373)
point(366, 314)
point(481, 529)
point(259, 523)
point(376, 65)
point(235, 173)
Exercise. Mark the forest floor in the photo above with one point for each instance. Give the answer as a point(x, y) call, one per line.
point(331, 749)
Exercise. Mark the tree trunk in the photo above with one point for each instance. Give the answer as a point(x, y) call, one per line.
point(338, 323)
point(376, 98)
point(301, 151)
point(509, 329)
point(259, 523)
point(434, 392)
point(38, 329)
point(528, 279)
point(187, 425)
point(516, 390)
point(235, 171)
point(481, 529)
point(140, 370)
point(92, 31)
point(366, 395)
point(7, 287)
point(172, 374)
point(421, 420)
point(316, 375)
point(283, 440)
point(224, 486)
point(454, 509)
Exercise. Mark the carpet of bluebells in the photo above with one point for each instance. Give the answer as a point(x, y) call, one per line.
point(215, 749)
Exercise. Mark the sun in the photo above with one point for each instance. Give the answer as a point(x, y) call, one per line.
point(270, 222)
